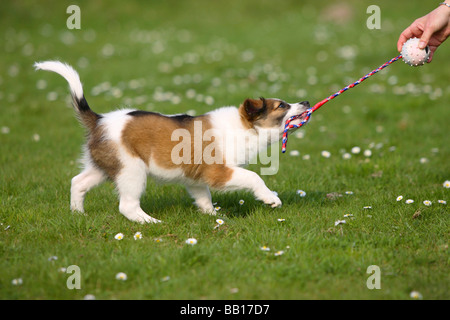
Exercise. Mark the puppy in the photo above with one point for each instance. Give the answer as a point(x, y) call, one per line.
point(202, 152)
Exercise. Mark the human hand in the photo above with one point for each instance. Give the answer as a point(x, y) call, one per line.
point(432, 29)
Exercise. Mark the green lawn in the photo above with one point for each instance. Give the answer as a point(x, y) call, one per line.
point(194, 56)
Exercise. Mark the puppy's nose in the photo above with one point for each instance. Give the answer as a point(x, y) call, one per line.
point(305, 103)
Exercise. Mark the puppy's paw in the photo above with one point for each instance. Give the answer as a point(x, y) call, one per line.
point(272, 200)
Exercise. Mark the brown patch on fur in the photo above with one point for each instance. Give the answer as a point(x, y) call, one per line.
point(103, 152)
point(148, 136)
point(262, 112)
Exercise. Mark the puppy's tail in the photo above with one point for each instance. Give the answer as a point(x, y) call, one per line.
point(87, 117)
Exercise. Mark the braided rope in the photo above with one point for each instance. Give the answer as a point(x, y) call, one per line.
point(307, 114)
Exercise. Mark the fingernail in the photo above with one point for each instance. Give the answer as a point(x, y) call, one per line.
point(422, 44)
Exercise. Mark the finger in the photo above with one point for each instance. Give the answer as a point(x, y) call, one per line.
point(425, 38)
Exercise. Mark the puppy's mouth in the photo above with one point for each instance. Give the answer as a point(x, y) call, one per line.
point(297, 120)
point(301, 117)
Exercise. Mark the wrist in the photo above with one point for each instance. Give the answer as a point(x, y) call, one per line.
point(445, 3)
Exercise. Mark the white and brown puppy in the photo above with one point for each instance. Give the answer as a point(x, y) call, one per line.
point(127, 145)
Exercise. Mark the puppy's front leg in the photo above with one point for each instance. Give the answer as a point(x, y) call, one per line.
point(202, 197)
point(249, 180)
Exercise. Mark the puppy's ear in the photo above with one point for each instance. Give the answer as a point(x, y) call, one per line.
point(254, 107)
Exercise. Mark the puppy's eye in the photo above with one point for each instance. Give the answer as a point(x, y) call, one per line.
point(283, 105)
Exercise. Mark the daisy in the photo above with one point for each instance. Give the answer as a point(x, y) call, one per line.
point(427, 203)
point(294, 153)
point(409, 201)
point(241, 202)
point(367, 153)
point(306, 157)
point(89, 297)
point(158, 240)
point(191, 241)
point(301, 193)
point(220, 222)
point(137, 236)
point(339, 222)
point(326, 154)
point(356, 150)
point(165, 279)
point(446, 184)
point(399, 198)
point(346, 156)
point(118, 236)
point(17, 282)
point(121, 276)
point(278, 253)
point(349, 192)
point(415, 295)
point(264, 248)
point(217, 208)
point(281, 220)
point(348, 215)
point(368, 207)
point(442, 201)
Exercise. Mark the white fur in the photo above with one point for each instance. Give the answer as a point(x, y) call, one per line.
point(67, 72)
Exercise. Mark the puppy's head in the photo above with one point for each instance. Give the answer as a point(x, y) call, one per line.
point(270, 114)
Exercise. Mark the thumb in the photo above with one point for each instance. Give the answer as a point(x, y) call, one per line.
point(426, 36)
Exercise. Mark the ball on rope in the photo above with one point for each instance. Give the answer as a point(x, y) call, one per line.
point(412, 55)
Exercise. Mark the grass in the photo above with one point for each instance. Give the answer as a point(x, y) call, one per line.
point(175, 57)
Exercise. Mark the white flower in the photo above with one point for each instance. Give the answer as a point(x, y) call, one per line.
point(306, 157)
point(409, 201)
point(442, 201)
point(399, 198)
point(158, 240)
point(121, 276)
point(118, 236)
point(427, 203)
point(281, 219)
point(356, 150)
point(220, 222)
point(166, 278)
point(446, 184)
point(278, 253)
point(301, 193)
point(339, 222)
point(349, 192)
point(191, 241)
point(348, 215)
point(415, 295)
point(423, 160)
point(294, 153)
point(367, 153)
point(326, 154)
point(17, 282)
point(89, 297)
point(368, 207)
point(52, 258)
point(241, 202)
point(217, 208)
point(346, 156)
point(137, 236)
point(264, 248)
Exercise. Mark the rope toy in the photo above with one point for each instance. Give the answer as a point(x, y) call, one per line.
point(412, 56)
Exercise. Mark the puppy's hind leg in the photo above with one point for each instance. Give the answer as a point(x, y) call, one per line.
point(131, 183)
point(82, 183)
